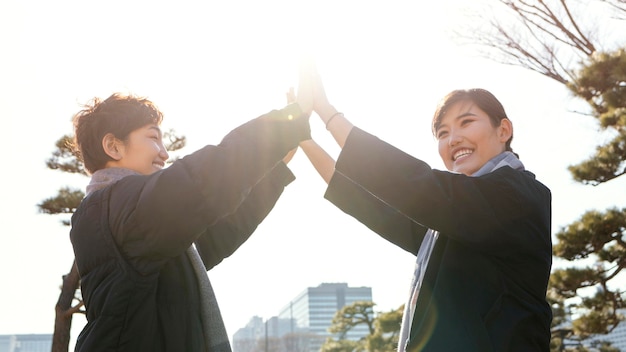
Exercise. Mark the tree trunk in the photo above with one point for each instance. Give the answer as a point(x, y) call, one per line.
point(64, 311)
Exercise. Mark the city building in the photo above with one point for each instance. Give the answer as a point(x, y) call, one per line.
point(246, 339)
point(302, 325)
point(26, 343)
point(270, 335)
point(617, 337)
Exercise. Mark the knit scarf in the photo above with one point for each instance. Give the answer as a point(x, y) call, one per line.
point(215, 337)
point(428, 244)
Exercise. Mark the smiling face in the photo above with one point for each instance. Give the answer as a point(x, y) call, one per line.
point(468, 139)
point(143, 151)
point(103, 128)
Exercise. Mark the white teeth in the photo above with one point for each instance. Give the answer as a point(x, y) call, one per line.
point(461, 153)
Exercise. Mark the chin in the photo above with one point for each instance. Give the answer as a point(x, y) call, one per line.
point(456, 170)
point(459, 169)
point(462, 170)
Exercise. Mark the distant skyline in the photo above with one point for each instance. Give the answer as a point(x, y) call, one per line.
point(26, 343)
point(311, 313)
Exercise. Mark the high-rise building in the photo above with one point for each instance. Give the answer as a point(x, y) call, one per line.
point(26, 343)
point(302, 325)
point(313, 310)
point(258, 335)
point(246, 338)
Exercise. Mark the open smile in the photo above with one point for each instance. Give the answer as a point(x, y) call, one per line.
point(461, 153)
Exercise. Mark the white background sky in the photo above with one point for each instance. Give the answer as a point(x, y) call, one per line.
point(211, 66)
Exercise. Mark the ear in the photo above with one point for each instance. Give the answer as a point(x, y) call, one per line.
point(505, 130)
point(112, 146)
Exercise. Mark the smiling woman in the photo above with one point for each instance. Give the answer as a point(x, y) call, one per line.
point(144, 236)
point(480, 232)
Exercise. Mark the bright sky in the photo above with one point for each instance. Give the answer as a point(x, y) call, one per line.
point(211, 66)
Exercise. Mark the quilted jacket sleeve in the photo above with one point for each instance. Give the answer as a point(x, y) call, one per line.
point(159, 216)
point(221, 239)
point(503, 211)
point(372, 212)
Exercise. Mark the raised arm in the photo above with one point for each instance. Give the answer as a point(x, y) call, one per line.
point(224, 237)
point(323, 163)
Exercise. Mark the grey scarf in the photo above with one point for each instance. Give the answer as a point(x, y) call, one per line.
point(428, 243)
point(215, 336)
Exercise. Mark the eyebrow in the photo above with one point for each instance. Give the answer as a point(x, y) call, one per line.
point(465, 114)
point(156, 128)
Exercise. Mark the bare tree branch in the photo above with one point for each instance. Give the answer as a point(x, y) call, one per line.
point(543, 36)
point(619, 5)
point(75, 309)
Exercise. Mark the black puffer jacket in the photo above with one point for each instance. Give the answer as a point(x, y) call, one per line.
point(130, 238)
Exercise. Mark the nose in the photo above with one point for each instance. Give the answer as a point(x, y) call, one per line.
point(163, 154)
point(454, 138)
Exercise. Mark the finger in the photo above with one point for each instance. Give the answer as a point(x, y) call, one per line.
point(291, 95)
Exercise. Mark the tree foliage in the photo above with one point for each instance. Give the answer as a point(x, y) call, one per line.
point(64, 159)
point(359, 313)
point(601, 82)
point(598, 236)
point(65, 202)
point(383, 328)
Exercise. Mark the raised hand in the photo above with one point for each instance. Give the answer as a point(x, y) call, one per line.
point(321, 105)
point(334, 120)
point(291, 95)
point(305, 90)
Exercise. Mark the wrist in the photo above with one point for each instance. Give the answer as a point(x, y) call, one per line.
point(326, 113)
point(331, 119)
point(289, 112)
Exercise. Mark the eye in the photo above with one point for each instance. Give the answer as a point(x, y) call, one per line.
point(466, 121)
point(442, 134)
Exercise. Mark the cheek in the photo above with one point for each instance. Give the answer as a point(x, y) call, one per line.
point(442, 147)
point(155, 147)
